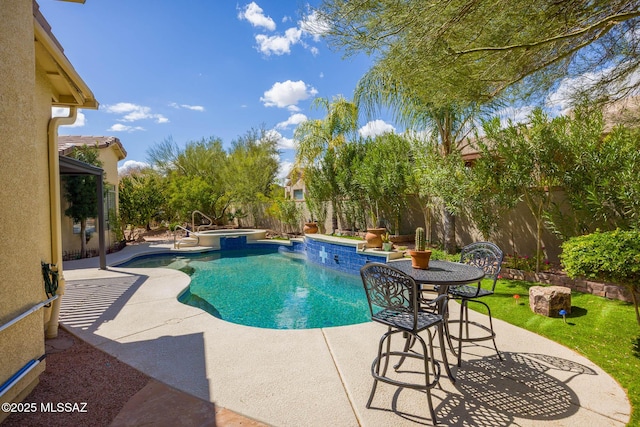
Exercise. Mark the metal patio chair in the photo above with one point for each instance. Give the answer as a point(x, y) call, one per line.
point(488, 257)
point(393, 301)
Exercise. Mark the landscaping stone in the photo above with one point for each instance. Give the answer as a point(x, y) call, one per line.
point(549, 300)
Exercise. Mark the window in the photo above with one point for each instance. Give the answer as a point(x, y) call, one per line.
point(298, 195)
point(91, 226)
point(110, 204)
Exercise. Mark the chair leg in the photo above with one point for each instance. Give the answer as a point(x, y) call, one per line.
point(428, 355)
point(466, 316)
point(442, 330)
point(386, 337)
point(375, 366)
point(410, 341)
point(463, 320)
point(493, 333)
point(379, 369)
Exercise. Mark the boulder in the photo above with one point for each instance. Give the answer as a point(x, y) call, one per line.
point(549, 300)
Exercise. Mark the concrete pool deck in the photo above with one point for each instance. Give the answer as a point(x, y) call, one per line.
point(321, 377)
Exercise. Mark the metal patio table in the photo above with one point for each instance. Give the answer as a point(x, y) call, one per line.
point(441, 274)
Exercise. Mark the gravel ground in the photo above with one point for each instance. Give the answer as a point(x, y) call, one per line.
point(80, 373)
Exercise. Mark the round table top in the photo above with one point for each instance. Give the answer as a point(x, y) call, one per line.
point(440, 272)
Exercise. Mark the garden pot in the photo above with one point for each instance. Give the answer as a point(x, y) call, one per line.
point(310, 228)
point(420, 259)
point(387, 246)
point(374, 237)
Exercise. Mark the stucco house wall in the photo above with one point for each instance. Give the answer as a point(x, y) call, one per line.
point(24, 224)
point(26, 228)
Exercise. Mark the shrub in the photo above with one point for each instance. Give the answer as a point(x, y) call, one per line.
point(525, 263)
point(612, 256)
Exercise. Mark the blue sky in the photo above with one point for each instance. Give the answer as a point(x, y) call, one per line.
point(199, 68)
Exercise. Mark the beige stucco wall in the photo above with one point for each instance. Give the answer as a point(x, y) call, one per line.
point(24, 220)
point(515, 234)
point(70, 241)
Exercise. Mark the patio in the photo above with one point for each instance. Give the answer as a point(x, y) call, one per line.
point(321, 376)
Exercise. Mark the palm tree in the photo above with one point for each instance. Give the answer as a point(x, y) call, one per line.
point(319, 140)
point(449, 125)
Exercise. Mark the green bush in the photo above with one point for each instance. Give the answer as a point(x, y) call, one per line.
point(612, 256)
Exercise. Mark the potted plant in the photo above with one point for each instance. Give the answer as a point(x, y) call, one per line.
point(387, 244)
point(310, 227)
point(420, 256)
point(374, 235)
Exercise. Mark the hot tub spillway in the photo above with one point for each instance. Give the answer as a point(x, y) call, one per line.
point(289, 253)
point(211, 238)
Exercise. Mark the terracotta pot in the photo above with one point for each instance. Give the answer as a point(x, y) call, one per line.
point(420, 259)
point(374, 237)
point(310, 228)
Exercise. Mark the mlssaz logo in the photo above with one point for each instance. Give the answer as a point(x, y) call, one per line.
point(63, 407)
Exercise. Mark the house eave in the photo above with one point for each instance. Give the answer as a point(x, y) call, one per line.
point(68, 87)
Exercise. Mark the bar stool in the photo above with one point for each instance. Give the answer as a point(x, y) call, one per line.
point(393, 301)
point(488, 257)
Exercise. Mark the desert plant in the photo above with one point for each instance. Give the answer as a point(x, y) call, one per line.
point(609, 256)
point(420, 239)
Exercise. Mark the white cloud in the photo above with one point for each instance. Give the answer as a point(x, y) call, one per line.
point(516, 115)
point(186, 106)
point(375, 128)
point(561, 100)
point(283, 142)
point(284, 169)
point(131, 165)
point(278, 45)
point(119, 127)
point(287, 94)
point(423, 135)
point(287, 144)
point(254, 14)
point(313, 25)
point(293, 120)
point(132, 112)
point(64, 112)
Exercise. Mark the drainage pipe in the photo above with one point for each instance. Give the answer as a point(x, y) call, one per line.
point(55, 217)
point(20, 374)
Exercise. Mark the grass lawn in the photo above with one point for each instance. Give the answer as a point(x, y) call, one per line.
point(605, 331)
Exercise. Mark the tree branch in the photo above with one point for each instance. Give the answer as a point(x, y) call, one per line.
point(610, 21)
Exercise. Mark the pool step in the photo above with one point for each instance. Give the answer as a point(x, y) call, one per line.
point(187, 241)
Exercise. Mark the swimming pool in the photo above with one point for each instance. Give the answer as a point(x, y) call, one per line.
point(267, 289)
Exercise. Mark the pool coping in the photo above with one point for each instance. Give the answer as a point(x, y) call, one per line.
point(322, 373)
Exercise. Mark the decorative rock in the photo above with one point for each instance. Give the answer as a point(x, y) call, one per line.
point(549, 300)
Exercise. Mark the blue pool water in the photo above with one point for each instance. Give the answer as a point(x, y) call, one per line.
point(268, 290)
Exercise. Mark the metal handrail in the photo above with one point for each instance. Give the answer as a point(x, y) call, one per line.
point(20, 374)
point(193, 220)
point(26, 313)
point(190, 232)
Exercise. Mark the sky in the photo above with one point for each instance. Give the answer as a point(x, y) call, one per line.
point(195, 69)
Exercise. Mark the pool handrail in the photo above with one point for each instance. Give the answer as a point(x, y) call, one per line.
point(176, 245)
point(193, 221)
